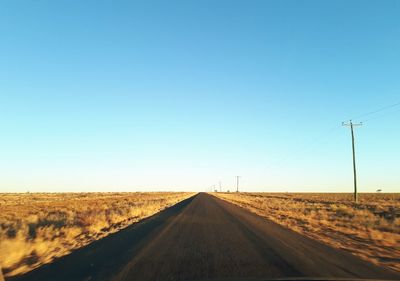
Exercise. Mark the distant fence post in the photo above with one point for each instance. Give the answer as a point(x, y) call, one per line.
point(1, 275)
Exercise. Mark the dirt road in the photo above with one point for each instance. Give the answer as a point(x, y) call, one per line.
point(205, 238)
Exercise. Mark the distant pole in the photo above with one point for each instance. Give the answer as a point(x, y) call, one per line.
point(220, 187)
point(352, 125)
point(237, 183)
point(1, 275)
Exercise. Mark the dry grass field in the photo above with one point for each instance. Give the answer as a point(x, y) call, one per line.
point(35, 228)
point(369, 229)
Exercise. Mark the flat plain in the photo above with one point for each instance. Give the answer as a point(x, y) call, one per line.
point(36, 228)
point(183, 236)
point(369, 229)
point(206, 238)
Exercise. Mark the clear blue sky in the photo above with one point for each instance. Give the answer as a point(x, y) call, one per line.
point(179, 95)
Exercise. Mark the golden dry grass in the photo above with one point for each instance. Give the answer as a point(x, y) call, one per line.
point(38, 227)
point(369, 229)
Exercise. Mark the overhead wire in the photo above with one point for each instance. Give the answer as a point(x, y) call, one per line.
point(375, 111)
point(381, 116)
point(322, 138)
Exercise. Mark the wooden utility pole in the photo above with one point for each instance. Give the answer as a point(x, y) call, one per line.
point(352, 125)
point(237, 183)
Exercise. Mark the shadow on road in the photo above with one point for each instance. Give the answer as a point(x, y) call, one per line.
point(100, 258)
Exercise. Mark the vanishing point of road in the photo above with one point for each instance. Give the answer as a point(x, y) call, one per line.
point(205, 238)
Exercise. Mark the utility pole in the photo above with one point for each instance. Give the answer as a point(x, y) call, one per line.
point(237, 183)
point(352, 125)
point(220, 187)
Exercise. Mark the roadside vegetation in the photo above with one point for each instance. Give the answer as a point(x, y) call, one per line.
point(35, 228)
point(369, 229)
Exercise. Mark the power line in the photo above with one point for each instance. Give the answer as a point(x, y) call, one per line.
point(381, 116)
point(321, 138)
point(310, 144)
point(376, 111)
